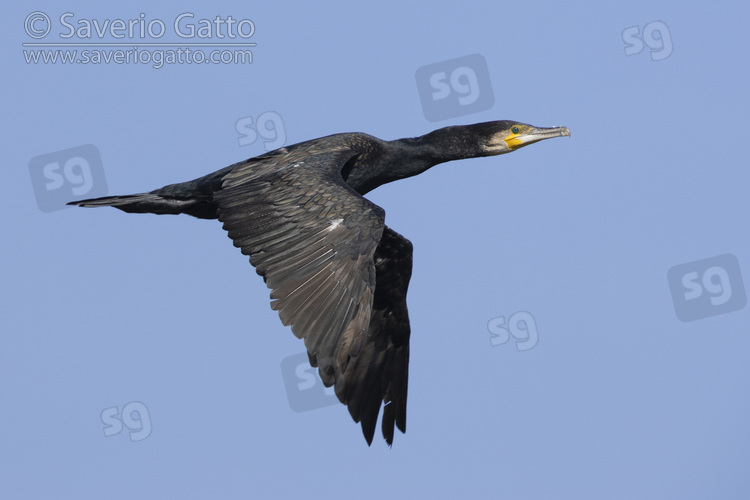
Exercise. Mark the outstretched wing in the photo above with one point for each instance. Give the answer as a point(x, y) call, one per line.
point(322, 249)
point(313, 239)
point(380, 373)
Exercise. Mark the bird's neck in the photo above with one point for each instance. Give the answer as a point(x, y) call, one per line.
point(402, 158)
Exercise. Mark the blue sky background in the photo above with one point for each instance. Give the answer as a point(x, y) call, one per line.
point(162, 319)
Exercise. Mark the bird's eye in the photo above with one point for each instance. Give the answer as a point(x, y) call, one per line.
point(514, 130)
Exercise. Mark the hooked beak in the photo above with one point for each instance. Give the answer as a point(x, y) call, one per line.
point(534, 134)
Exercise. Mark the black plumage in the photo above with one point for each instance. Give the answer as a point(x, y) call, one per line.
point(338, 274)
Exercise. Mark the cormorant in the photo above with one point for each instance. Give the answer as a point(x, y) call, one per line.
point(338, 274)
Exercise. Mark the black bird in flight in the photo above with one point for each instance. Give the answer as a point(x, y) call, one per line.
point(338, 274)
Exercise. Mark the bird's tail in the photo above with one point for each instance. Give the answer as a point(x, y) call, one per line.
point(193, 198)
point(134, 203)
point(154, 203)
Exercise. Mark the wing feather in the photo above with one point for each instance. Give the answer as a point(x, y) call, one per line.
point(313, 239)
point(338, 276)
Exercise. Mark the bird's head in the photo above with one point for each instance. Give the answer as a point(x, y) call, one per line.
point(404, 158)
point(505, 136)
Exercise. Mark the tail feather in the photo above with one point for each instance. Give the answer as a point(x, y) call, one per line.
point(154, 203)
point(137, 203)
point(194, 198)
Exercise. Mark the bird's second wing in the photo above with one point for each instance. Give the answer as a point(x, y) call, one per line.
point(380, 373)
point(313, 240)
